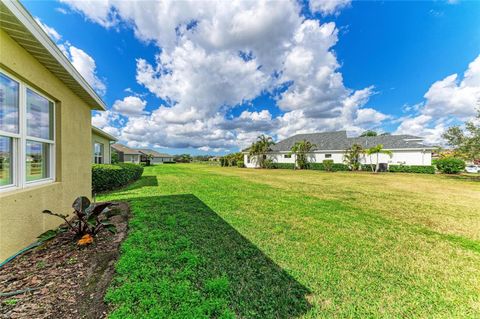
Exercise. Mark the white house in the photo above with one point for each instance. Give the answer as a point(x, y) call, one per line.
point(406, 149)
point(155, 157)
point(126, 154)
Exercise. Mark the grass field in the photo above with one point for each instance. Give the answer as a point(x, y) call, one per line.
point(211, 242)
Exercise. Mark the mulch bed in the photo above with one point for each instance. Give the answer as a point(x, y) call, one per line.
point(66, 281)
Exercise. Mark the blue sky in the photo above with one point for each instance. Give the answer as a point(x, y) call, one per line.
point(205, 77)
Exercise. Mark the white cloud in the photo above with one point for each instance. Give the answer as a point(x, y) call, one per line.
point(130, 105)
point(446, 101)
point(52, 33)
point(86, 66)
point(216, 55)
point(98, 11)
point(82, 61)
point(329, 6)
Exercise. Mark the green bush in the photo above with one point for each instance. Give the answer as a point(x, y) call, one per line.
point(240, 164)
point(328, 165)
point(420, 169)
point(367, 167)
point(223, 161)
point(333, 167)
point(283, 165)
point(450, 165)
point(107, 177)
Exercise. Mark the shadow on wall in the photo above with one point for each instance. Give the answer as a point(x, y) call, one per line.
point(188, 241)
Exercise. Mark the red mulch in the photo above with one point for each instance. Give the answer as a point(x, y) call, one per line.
point(68, 281)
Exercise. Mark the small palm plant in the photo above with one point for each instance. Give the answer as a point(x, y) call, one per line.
point(353, 155)
point(301, 149)
point(260, 148)
point(377, 150)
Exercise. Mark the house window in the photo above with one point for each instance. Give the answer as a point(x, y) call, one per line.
point(248, 159)
point(287, 156)
point(328, 155)
point(27, 142)
point(98, 153)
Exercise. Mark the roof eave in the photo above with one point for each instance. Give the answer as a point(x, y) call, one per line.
point(104, 134)
point(19, 11)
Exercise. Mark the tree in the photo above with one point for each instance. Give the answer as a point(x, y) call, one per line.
point(377, 150)
point(353, 156)
point(114, 159)
point(368, 133)
point(466, 142)
point(183, 158)
point(260, 148)
point(301, 149)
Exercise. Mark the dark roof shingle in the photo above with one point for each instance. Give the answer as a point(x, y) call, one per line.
point(338, 140)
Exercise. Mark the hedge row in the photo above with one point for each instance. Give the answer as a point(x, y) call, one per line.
point(412, 169)
point(107, 177)
point(335, 167)
point(283, 165)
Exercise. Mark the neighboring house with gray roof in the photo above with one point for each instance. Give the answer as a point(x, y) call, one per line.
point(155, 157)
point(126, 154)
point(406, 149)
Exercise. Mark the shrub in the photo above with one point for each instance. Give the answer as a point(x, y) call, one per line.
point(367, 167)
point(332, 167)
point(223, 161)
point(450, 165)
point(420, 169)
point(89, 219)
point(284, 165)
point(328, 165)
point(240, 164)
point(107, 177)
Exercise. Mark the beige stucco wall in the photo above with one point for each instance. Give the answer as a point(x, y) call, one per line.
point(106, 147)
point(21, 219)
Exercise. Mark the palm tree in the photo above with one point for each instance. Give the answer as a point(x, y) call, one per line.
point(300, 149)
point(353, 155)
point(377, 150)
point(260, 148)
point(368, 133)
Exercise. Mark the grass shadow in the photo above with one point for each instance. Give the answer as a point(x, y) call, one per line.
point(192, 263)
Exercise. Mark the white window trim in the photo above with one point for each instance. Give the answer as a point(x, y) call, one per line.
point(102, 153)
point(20, 142)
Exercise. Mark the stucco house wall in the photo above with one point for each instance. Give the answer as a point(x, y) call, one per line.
point(404, 157)
point(107, 158)
point(130, 158)
point(21, 220)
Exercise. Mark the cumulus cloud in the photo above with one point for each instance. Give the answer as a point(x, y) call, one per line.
point(214, 56)
point(81, 60)
point(130, 105)
point(451, 99)
point(52, 33)
point(329, 6)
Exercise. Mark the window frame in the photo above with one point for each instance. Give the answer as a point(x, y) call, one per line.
point(19, 141)
point(328, 155)
point(102, 152)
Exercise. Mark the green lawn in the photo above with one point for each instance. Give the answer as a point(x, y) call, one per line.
point(211, 242)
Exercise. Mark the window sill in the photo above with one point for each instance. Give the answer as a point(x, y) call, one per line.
point(13, 190)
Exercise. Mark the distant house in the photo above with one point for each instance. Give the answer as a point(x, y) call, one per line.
point(155, 157)
point(126, 154)
point(101, 150)
point(406, 149)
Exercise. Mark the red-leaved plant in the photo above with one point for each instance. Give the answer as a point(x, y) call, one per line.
point(89, 219)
